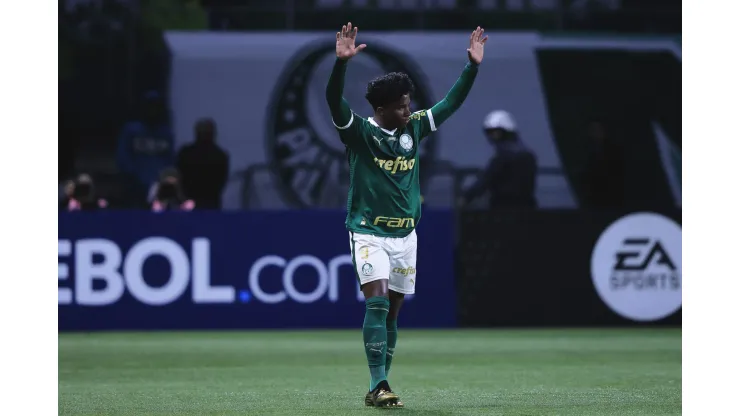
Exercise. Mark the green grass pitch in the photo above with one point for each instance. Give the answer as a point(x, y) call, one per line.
point(460, 372)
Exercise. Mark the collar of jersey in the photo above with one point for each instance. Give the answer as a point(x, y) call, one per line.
point(370, 119)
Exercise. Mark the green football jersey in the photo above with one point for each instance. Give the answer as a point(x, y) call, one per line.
point(384, 196)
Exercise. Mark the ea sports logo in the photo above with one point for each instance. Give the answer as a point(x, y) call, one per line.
point(306, 156)
point(636, 266)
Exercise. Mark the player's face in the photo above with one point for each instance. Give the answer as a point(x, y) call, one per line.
point(397, 114)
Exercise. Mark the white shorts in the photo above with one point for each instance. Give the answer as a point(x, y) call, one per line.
point(389, 258)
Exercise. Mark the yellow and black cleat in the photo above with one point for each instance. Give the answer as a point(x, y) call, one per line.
point(385, 398)
point(369, 401)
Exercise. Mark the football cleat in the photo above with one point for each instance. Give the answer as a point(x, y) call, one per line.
point(385, 398)
point(369, 399)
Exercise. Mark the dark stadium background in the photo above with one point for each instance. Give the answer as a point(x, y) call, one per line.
point(507, 318)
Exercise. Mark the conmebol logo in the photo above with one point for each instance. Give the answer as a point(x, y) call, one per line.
point(102, 273)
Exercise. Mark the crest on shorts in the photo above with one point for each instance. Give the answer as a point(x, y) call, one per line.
point(367, 269)
point(407, 143)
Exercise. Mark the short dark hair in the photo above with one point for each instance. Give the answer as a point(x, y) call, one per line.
point(388, 88)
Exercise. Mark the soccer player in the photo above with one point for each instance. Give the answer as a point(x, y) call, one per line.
point(383, 203)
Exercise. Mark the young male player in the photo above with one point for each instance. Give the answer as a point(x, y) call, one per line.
point(383, 204)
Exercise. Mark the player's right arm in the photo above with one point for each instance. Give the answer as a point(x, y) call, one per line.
point(341, 114)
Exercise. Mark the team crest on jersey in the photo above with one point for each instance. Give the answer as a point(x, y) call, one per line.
point(305, 154)
point(367, 269)
point(407, 143)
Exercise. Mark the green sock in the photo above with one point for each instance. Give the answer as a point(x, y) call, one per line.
point(392, 331)
point(375, 337)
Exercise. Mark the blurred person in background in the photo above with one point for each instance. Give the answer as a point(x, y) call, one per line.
point(204, 167)
point(145, 147)
point(603, 176)
point(166, 194)
point(80, 195)
point(511, 175)
point(66, 188)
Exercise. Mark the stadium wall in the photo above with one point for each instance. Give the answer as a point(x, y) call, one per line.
point(292, 269)
point(212, 270)
point(266, 92)
point(569, 268)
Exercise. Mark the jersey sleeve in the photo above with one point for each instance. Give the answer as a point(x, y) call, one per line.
point(351, 133)
point(347, 123)
point(429, 120)
point(423, 123)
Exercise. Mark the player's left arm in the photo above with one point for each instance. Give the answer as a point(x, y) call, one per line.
point(457, 94)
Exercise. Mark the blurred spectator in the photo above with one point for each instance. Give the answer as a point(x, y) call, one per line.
point(79, 195)
point(603, 176)
point(166, 194)
point(204, 167)
point(145, 147)
point(511, 174)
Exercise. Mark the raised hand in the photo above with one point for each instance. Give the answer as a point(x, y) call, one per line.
point(346, 42)
point(475, 51)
